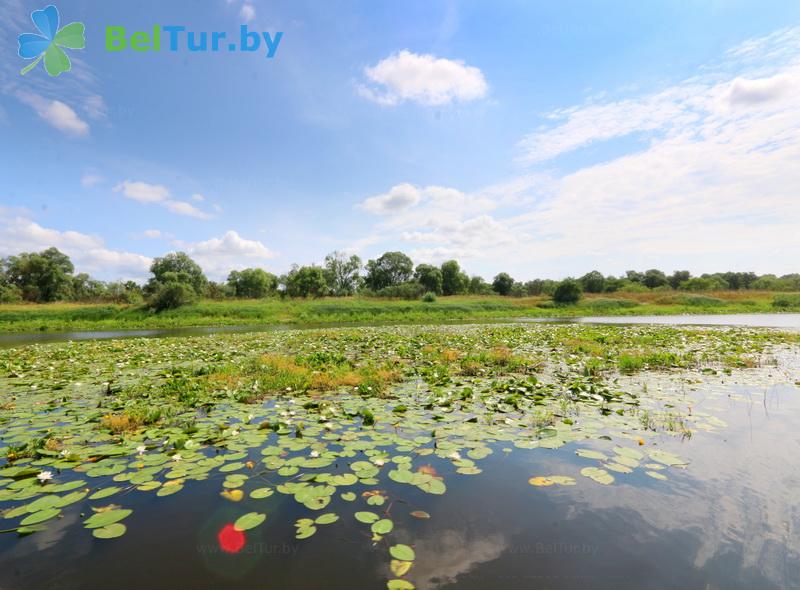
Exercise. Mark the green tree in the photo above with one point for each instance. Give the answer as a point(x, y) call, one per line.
point(593, 282)
point(252, 283)
point(85, 288)
point(342, 273)
point(454, 280)
point(654, 278)
point(41, 277)
point(502, 283)
point(429, 277)
point(172, 295)
point(477, 286)
point(176, 267)
point(306, 281)
point(678, 277)
point(568, 291)
point(392, 268)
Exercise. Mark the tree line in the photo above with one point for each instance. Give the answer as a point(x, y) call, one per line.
point(176, 279)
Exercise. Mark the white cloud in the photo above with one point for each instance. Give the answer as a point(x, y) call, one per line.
point(425, 79)
point(744, 92)
point(399, 197)
point(198, 197)
point(247, 12)
point(218, 256)
point(184, 208)
point(88, 253)
point(144, 192)
point(152, 234)
point(91, 180)
point(56, 113)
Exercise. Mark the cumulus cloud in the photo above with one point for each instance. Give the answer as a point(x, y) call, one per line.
point(399, 197)
point(152, 234)
point(56, 113)
point(144, 192)
point(89, 253)
point(218, 256)
point(746, 92)
point(424, 79)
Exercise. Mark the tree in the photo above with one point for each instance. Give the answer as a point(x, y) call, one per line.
point(41, 277)
point(654, 278)
point(390, 269)
point(477, 286)
point(85, 288)
point(306, 281)
point(593, 282)
point(252, 283)
point(342, 273)
point(634, 276)
point(502, 283)
point(568, 291)
point(172, 295)
point(454, 281)
point(429, 277)
point(678, 277)
point(176, 267)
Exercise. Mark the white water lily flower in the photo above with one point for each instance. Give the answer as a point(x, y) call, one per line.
point(44, 476)
point(379, 462)
point(235, 433)
point(455, 456)
point(141, 449)
point(176, 457)
point(288, 389)
point(313, 454)
point(328, 425)
point(64, 453)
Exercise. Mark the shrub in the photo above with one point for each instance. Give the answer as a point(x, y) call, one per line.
point(172, 296)
point(429, 297)
point(568, 291)
point(701, 301)
point(602, 304)
point(786, 301)
point(407, 290)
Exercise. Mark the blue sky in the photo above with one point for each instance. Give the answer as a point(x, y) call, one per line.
point(540, 138)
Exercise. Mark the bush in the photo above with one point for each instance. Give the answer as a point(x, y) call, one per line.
point(786, 301)
point(602, 304)
point(408, 290)
point(172, 296)
point(701, 301)
point(568, 291)
point(429, 297)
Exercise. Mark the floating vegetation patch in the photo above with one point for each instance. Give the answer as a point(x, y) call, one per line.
point(346, 423)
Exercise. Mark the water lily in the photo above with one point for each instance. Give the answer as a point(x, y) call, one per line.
point(141, 449)
point(313, 454)
point(44, 476)
point(176, 457)
point(455, 456)
point(328, 425)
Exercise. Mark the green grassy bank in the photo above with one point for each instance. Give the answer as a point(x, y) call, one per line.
point(58, 317)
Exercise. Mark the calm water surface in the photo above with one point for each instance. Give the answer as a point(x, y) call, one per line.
point(786, 321)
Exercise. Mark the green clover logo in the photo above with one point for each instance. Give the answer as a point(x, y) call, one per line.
point(48, 45)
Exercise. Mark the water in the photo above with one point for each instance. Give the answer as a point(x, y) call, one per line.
point(728, 521)
point(786, 321)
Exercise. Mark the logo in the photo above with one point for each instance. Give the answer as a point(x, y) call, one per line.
point(178, 37)
point(51, 43)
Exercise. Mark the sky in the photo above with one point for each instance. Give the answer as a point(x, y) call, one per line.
point(539, 138)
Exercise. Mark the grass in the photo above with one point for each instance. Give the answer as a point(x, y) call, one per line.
point(59, 317)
